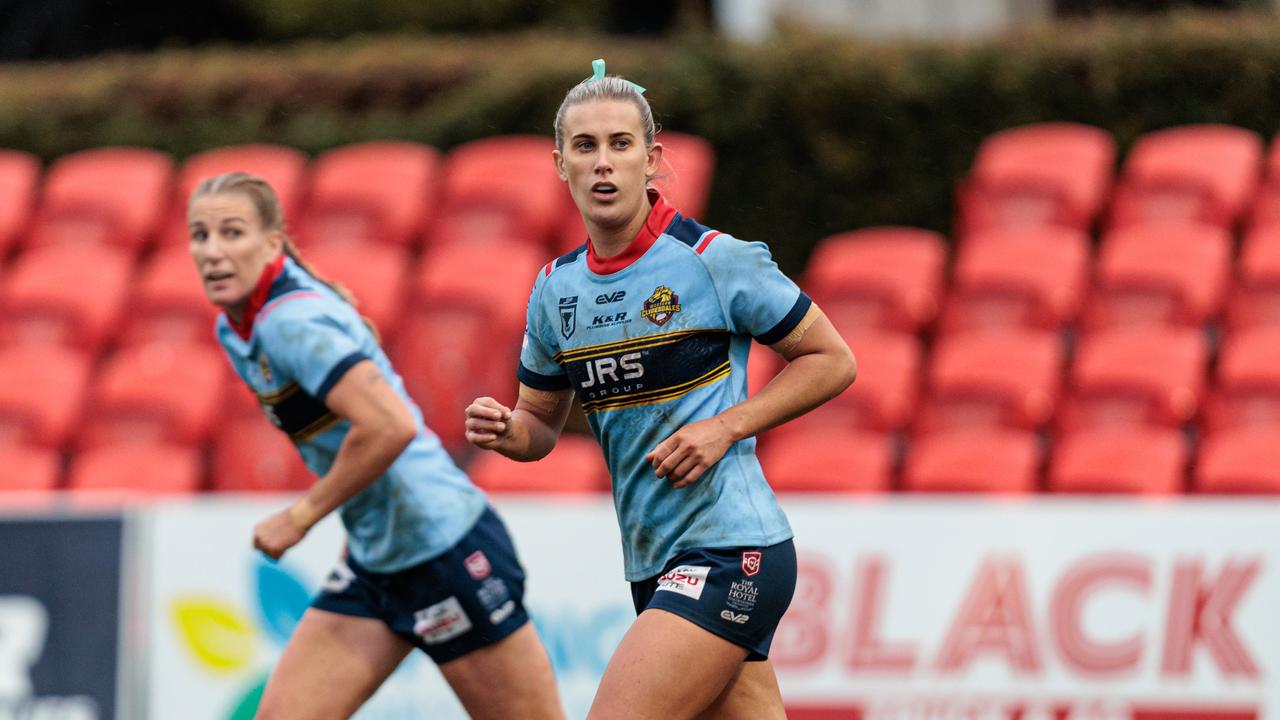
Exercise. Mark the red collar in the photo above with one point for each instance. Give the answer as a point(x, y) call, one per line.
point(660, 217)
point(257, 298)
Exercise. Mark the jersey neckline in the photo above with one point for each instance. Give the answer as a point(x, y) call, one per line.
point(258, 298)
point(661, 215)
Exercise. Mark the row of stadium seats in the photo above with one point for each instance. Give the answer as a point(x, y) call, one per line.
point(401, 194)
point(1062, 174)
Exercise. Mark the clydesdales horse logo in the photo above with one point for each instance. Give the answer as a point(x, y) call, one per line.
point(661, 305)
point(751, 562)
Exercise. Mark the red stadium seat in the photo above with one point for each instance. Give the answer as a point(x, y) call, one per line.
point(1193, 173)
point(884, 396)
point(1247, 393)
point(1033, 277)
point(449, 356)
point(284, 168)
point(115, 196)
point(692, 162)
point(136, 468)
point(375, 273)
point(169, 304)
point(1136, 460)
point(382, 191)
point(978, 461)
point(461, 338)
point(1149, 375)
point(1170, 273)
point(64, 294)
point(249, 455)
point(1045, 174)
point(19, 175)
point(42, 393)
point(828, 460)
point(28, 469)
point(878, 278)
point(762, 365)
point(1255, 296)
point(158, 392)
point(447, 276)
point(576, 465)
point(1242, 461)
point(501, 187)
point(1001, 378)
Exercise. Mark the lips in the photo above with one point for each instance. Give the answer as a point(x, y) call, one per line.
point(604, 190)
point(216, 276)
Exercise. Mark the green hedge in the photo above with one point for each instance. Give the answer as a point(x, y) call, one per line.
point(814, 134)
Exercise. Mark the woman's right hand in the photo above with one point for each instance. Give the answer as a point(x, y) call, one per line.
point(488, 423)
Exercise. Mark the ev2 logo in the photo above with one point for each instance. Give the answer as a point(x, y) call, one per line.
point(613, 297)
point(734, 617)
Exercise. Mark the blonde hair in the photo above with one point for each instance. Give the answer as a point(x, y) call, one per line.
point(271, 215)
point(609, 87)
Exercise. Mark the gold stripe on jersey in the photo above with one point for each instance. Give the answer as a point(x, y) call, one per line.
point(653, 397)
point(648, 341)
point(320, 425)
point(279, 394)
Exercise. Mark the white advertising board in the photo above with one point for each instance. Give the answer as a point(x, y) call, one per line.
point(906, 609)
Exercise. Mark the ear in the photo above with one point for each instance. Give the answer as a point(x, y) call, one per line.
point(654, 160)
point(558, 157)
point(275, 242)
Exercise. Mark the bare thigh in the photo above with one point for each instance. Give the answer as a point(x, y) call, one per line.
point(752, 695)
point(665, 668)
point(332, 664)
point(509, 679)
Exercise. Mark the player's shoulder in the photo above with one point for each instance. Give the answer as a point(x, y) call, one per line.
point(296, 307)
point(711, 246)
point(561, 267)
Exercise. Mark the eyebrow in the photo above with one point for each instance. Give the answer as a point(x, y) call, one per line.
point(196, 223)
point(590, 136)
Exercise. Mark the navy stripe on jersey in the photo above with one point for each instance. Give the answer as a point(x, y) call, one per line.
point(295, 412)
point(647, 370)
point(538, 381)
point(571, 255)
point(687, 230)
point(787, 323)
point(338, 371)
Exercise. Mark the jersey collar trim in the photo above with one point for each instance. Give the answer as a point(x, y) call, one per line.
point(257, 298)
point(661, 215)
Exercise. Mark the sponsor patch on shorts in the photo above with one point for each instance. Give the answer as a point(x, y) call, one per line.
point(339, 578)
point(497, 616)
point(478, 565)
point(733, 617)
point(441, 622)
point(687, 580)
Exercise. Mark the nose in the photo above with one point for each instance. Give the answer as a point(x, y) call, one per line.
point(604, 163)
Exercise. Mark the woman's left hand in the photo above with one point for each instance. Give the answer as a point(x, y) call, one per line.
point(690, 451)
point(277, 534)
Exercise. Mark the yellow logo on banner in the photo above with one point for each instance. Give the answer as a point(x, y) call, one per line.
point(220, 637)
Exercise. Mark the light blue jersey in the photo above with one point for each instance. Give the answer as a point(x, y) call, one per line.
point(655, 339)
point(298, 340)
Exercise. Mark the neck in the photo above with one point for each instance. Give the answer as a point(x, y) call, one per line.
point(235, 311)
point(608, 242)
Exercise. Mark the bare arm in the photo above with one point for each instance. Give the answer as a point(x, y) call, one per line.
point(525, 434)
point(819, 367)
point(382, 426)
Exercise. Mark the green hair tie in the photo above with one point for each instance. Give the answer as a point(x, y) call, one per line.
point(597, 73)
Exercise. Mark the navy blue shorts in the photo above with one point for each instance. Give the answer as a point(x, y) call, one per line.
point(739, 594)
point(468, 598)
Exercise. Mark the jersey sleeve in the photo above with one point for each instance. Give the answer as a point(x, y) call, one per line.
point(758, 299)
point(312, 348)
point(538, 367)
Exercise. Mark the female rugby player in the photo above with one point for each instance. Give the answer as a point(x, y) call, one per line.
point(650, 323)
point(428, 563)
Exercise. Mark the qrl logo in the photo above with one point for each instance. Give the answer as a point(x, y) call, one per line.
point(751, 562)
point(605, 369)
